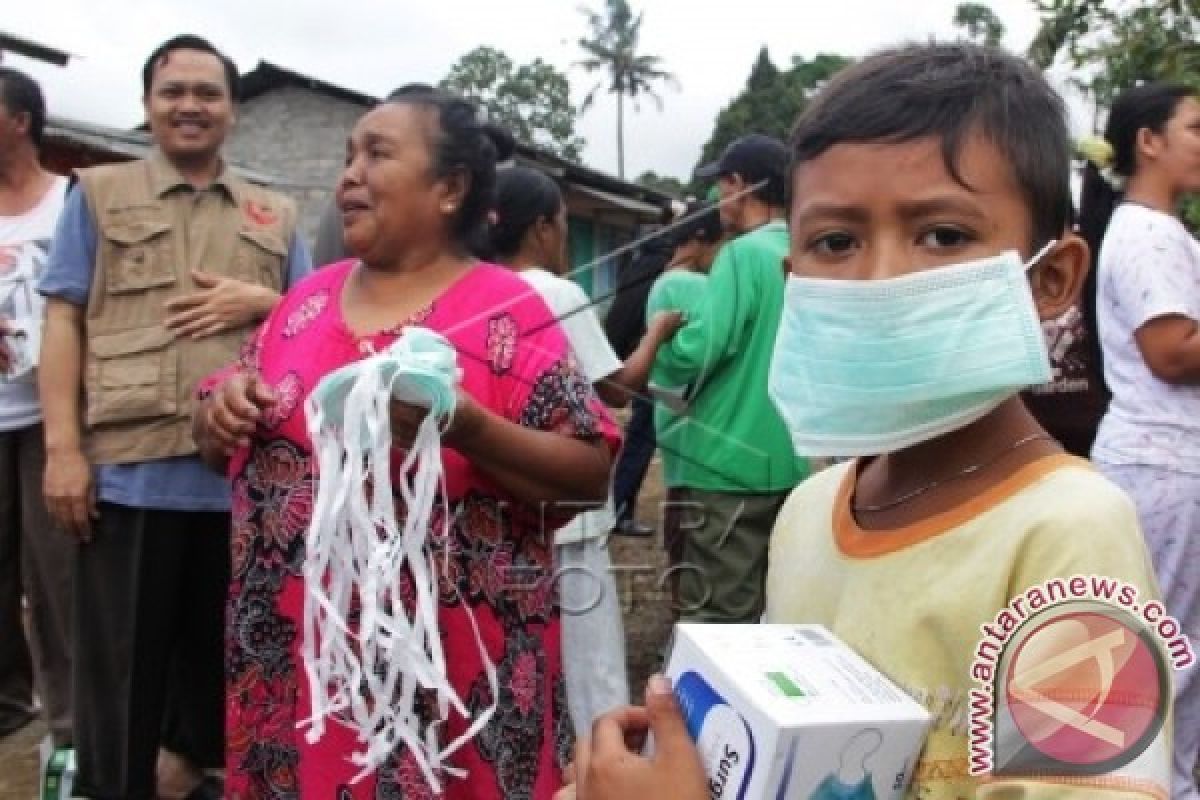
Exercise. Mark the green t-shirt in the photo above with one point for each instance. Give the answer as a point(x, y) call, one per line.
point(675, 290)
point(733, 439)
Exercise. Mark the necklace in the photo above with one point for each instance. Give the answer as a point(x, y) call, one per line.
point(962, 473)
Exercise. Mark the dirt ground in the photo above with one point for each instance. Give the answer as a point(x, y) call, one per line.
point(639, 563)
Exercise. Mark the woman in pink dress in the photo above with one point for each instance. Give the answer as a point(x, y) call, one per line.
point(528, 430)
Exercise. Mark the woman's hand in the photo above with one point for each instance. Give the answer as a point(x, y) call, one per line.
point(225, 421)
point(608, 765)
point(464, 424)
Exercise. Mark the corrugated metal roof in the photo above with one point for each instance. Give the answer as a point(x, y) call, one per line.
point(126, 143)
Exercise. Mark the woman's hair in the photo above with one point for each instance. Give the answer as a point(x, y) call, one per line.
point(700, 220)
point(465, 143)
point(523, 196)
point(1148, 106)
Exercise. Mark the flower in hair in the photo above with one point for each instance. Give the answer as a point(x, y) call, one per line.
point(1100, 152)
point(1097, 150)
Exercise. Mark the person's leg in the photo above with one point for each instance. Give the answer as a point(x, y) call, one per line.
point(47, 555)
point(634, 461)
point(593, 638)
point(723, 575)
point(679, 516)
point(127, 582)
point(194, 725)
point(1168, 505)
point(16, 666)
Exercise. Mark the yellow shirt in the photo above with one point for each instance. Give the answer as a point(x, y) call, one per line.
point(912, 601)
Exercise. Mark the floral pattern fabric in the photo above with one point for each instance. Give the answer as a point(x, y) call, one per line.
point(496, 561)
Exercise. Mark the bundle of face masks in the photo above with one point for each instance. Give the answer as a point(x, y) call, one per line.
point(366, 675)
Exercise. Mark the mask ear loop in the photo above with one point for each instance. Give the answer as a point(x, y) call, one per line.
point(1037, 258)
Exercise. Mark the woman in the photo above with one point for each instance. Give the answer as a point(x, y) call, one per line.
point(528, 234)
point(1147, 305)
point(419, 179)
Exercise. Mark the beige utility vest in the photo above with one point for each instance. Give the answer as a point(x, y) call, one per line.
point(153, 228)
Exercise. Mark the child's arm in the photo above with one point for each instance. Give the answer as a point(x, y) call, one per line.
point(633, 375)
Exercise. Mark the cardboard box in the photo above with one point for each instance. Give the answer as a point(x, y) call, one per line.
point(788, 712)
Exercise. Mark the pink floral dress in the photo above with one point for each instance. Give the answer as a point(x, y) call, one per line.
point(516, 362)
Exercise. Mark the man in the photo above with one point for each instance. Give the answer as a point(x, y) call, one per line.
point(741, 465)
point(160, 269)
point(35, 559)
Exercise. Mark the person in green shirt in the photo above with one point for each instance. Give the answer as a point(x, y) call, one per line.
point(681, 288)
point(737, 463)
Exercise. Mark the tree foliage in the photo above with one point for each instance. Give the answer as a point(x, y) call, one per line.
point(979, 23)
point(612, 47)
point(1116, 44)
point(532, 100)
point(771, 100)
point(667, 184)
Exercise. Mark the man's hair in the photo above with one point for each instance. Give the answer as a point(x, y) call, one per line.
point(22, 95)
point(189, 42)
point(950, 91)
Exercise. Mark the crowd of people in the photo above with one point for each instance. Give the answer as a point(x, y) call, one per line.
point(830, 356)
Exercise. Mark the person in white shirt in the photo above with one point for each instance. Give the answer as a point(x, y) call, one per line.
point(1146, 299)
point(528, 233)
point(35, 557)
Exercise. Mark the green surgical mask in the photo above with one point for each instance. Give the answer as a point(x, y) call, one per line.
point(868, 367)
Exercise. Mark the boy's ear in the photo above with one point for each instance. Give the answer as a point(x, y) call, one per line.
point(1058, 278)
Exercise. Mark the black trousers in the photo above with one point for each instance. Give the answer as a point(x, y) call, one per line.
point(635, 458)
point(150, 591)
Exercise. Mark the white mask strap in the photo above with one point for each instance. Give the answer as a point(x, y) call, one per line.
point(1033, 262)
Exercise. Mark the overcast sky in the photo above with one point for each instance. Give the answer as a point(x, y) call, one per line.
point(374, 45)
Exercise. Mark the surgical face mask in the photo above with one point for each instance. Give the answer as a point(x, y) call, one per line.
point(868, 367)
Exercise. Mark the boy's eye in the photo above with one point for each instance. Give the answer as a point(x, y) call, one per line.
point(832, 244)
point(943, 237)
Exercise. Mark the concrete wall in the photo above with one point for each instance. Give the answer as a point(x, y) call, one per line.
point(299, 137)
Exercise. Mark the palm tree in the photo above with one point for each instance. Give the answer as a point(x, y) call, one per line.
point(612, 47)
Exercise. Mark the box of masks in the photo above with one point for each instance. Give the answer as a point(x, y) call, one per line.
point(789, 712)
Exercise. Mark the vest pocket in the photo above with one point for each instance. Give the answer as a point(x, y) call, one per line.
point(142, 257)
point(260, 257)
point(132, 375)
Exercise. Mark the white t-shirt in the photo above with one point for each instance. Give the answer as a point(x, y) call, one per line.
point(577, 315)
point(1149, 267)
point(24, 247)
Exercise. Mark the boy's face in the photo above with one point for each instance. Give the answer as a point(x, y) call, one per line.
point(875, 211)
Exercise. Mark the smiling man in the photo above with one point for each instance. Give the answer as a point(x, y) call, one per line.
point(159, 270)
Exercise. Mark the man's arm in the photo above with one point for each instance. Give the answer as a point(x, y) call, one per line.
point(67, 282)
point(68, 487)
point(714, 332)
point(222, 304)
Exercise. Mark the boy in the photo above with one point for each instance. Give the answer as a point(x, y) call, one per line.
point(910, 163)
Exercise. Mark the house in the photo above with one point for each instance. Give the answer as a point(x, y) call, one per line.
point(293, 127)
point(70, 144)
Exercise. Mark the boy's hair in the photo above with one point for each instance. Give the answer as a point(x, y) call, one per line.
point(188, 41)
point(951, 90)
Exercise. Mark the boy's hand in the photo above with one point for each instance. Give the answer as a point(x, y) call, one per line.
point(608, 766)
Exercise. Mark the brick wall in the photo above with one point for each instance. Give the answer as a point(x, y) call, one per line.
point(299, 137)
